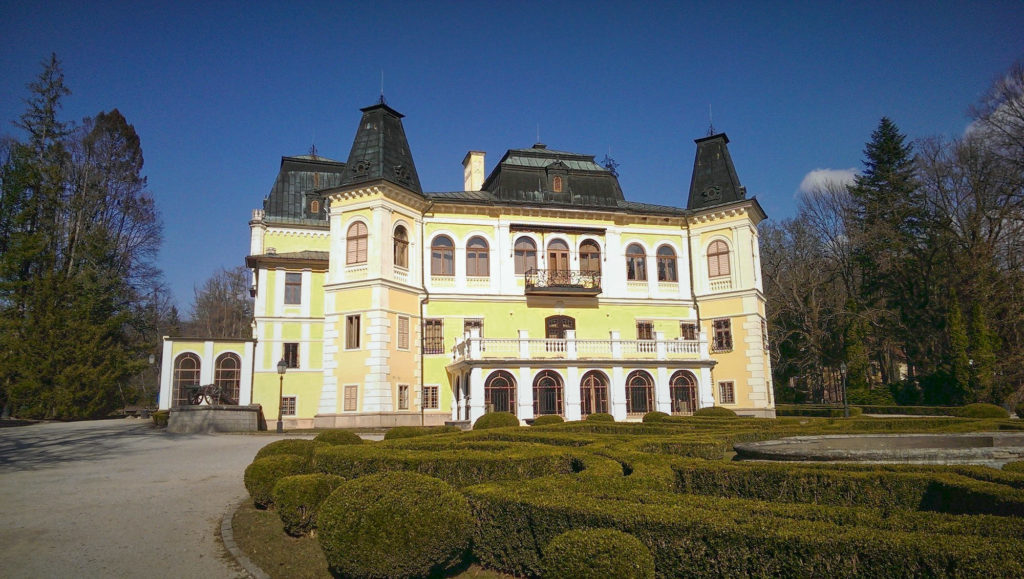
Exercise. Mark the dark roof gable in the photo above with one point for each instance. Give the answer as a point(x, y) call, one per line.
point(714, 180)
point(381, 151)
point(295, 187)
point(527, 176)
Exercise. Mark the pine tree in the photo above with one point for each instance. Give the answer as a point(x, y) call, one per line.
point(958, 390)
point(982, 358)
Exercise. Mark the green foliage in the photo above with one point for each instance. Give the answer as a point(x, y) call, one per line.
point(395, 524)
point(263, 473)
point(597, 554)
point(160, 418)
point(871, 397)
point(715, 411)
point(496, 420)
point(822, 411)
point(296, 446)
point(1016, 466)
point(414, 431)
point(600, 417)
point(959, 376)
point(548, 419)
point(1019, 409)
point(655, 416)
point(982, 410)
point(982, 346)
point(297, 499)
point(855, 352)
point(338, 437)
point(911, 410)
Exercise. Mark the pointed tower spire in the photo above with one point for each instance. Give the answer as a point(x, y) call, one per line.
point(381, 151)
point(714, 180)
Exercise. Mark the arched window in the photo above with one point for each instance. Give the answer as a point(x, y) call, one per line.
point(593, 393)
point(227, 375)
point(636, 263)
point(639, 392)
point(718, 259)
point(558, 256)
point(525, 254)
point(314, 207)
point(356, 243)
point(590, 257)
point(500, 392)
point(683, 390)
point(186, 373)
point(401, 247)
point(556, 184)
point(478, 257)
point(547, 393)
point(554, 329)
point(667, 264)
point(442, 256)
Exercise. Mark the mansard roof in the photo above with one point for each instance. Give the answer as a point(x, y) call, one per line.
point(297, 182)
point(714, 181)
point(381, 151)
point(528, 176)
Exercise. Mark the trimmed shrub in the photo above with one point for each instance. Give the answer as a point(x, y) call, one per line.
point(160, 418)
point(338, 437)
point(982, 410)
point(548, 419)
point(910, 410)
point(821, 411)
point(597, 554)
point(600, 417)
point(414, 431)
point(295, 446)
point(715, 411)
point(655, 416)
point(496, 420)
point(1019, 409)
point(396, 524)
point(263, 474)
point(1015, 466)
point(297, 499)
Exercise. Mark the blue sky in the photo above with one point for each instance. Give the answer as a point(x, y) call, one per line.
point(218, 92)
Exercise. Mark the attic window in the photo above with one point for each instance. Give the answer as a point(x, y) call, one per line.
point(362, 168)
point(556, 184)
point(402, 173)
point(314, 207)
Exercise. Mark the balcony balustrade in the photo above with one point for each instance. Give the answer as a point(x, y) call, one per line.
point(472, 347)
point(559, 281)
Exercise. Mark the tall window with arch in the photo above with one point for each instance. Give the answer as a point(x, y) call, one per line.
point(401, 242)
point(667, 264)
point(357, 242)
point(558, 257)
point(525, 255)
point(227, 376)
point(478, 257)
point(683, 391)
point(547, 393)
point(718, 259)
point(442, 256)
point(186, 374)
point(590, 257)
point(639, 393)
point(636, 263)
point(593, 393)
point(500, 392)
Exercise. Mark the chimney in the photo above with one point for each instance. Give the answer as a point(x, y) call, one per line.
point(473, 170)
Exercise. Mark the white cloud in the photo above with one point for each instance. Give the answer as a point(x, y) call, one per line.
point(821, 179)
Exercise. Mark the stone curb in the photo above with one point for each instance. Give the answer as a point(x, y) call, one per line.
point(227, 534)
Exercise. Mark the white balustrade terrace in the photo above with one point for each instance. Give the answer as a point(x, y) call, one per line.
point(469, 347)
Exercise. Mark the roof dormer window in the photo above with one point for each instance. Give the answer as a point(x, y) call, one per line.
point(556, 184)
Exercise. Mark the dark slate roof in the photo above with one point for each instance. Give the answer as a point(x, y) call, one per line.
point(527, 176)
point(295, 187)
point(714, 180)
point(381, 151)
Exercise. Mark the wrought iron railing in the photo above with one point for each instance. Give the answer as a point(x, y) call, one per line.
point(543, 279)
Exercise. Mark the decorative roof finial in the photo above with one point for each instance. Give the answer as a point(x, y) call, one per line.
point(711, 123)
point(313, 152)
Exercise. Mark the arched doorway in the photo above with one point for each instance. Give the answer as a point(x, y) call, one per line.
point(593, 393)
point(227, 376)
point(500, 392)
point(683, 390)
point(186, 373)
point(639, 393)
point(547, 393)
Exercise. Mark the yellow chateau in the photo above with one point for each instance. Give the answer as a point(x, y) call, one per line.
point(539, 289)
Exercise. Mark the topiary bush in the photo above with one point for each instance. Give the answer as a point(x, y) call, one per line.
point(414, 431)
point(655, 416)
point(338, 437)
point(296, 446)
point(496, 420)
point(298, 498)
point(982, 410)
point(548, 419)
point(394, 524)
point(596, 553)
point(600, 417)
point(715, 411)
point(1018, 409)
point(263, 474)
point(160, 418)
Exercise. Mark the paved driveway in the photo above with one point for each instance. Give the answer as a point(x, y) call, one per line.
point(116, 498)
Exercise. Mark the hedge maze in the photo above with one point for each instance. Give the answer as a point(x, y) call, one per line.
point(529, 491)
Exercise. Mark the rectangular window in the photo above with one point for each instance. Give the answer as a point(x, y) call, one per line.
point(470, 323)
point(430, 398)
point(645, 331)
point(403, 396)
point(688, 331)
point(352, 332)
point(726, 393)
point(351, 397)
point(291, 355)
point(288, 406)
point(433, 336)
point(292, 289)
point(403, 332)
point(723, 335)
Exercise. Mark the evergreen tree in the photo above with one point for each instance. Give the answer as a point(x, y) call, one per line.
point(982, 350)
point(855, 350)
point(958, 389)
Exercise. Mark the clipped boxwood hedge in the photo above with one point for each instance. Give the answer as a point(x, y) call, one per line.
point(495, 420)
point(297, 499)
point(821, 411)
point(395, 524)
point(160, 418)
point(338, 437)
point(414, 431)
point(548, 419)
point(295, 446)
point(261, 476)
point(597, 554)
point(600, 417)
point(655, 416)
point(715, 411)
point(910, 410)
point(982, 410)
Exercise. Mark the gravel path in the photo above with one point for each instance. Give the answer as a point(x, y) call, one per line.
point(116, 498)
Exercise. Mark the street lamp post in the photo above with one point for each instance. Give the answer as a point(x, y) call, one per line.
point(846, 401)
point(281, 367)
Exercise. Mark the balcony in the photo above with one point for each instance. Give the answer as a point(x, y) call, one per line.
point(471, 347)
point(562, 282)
